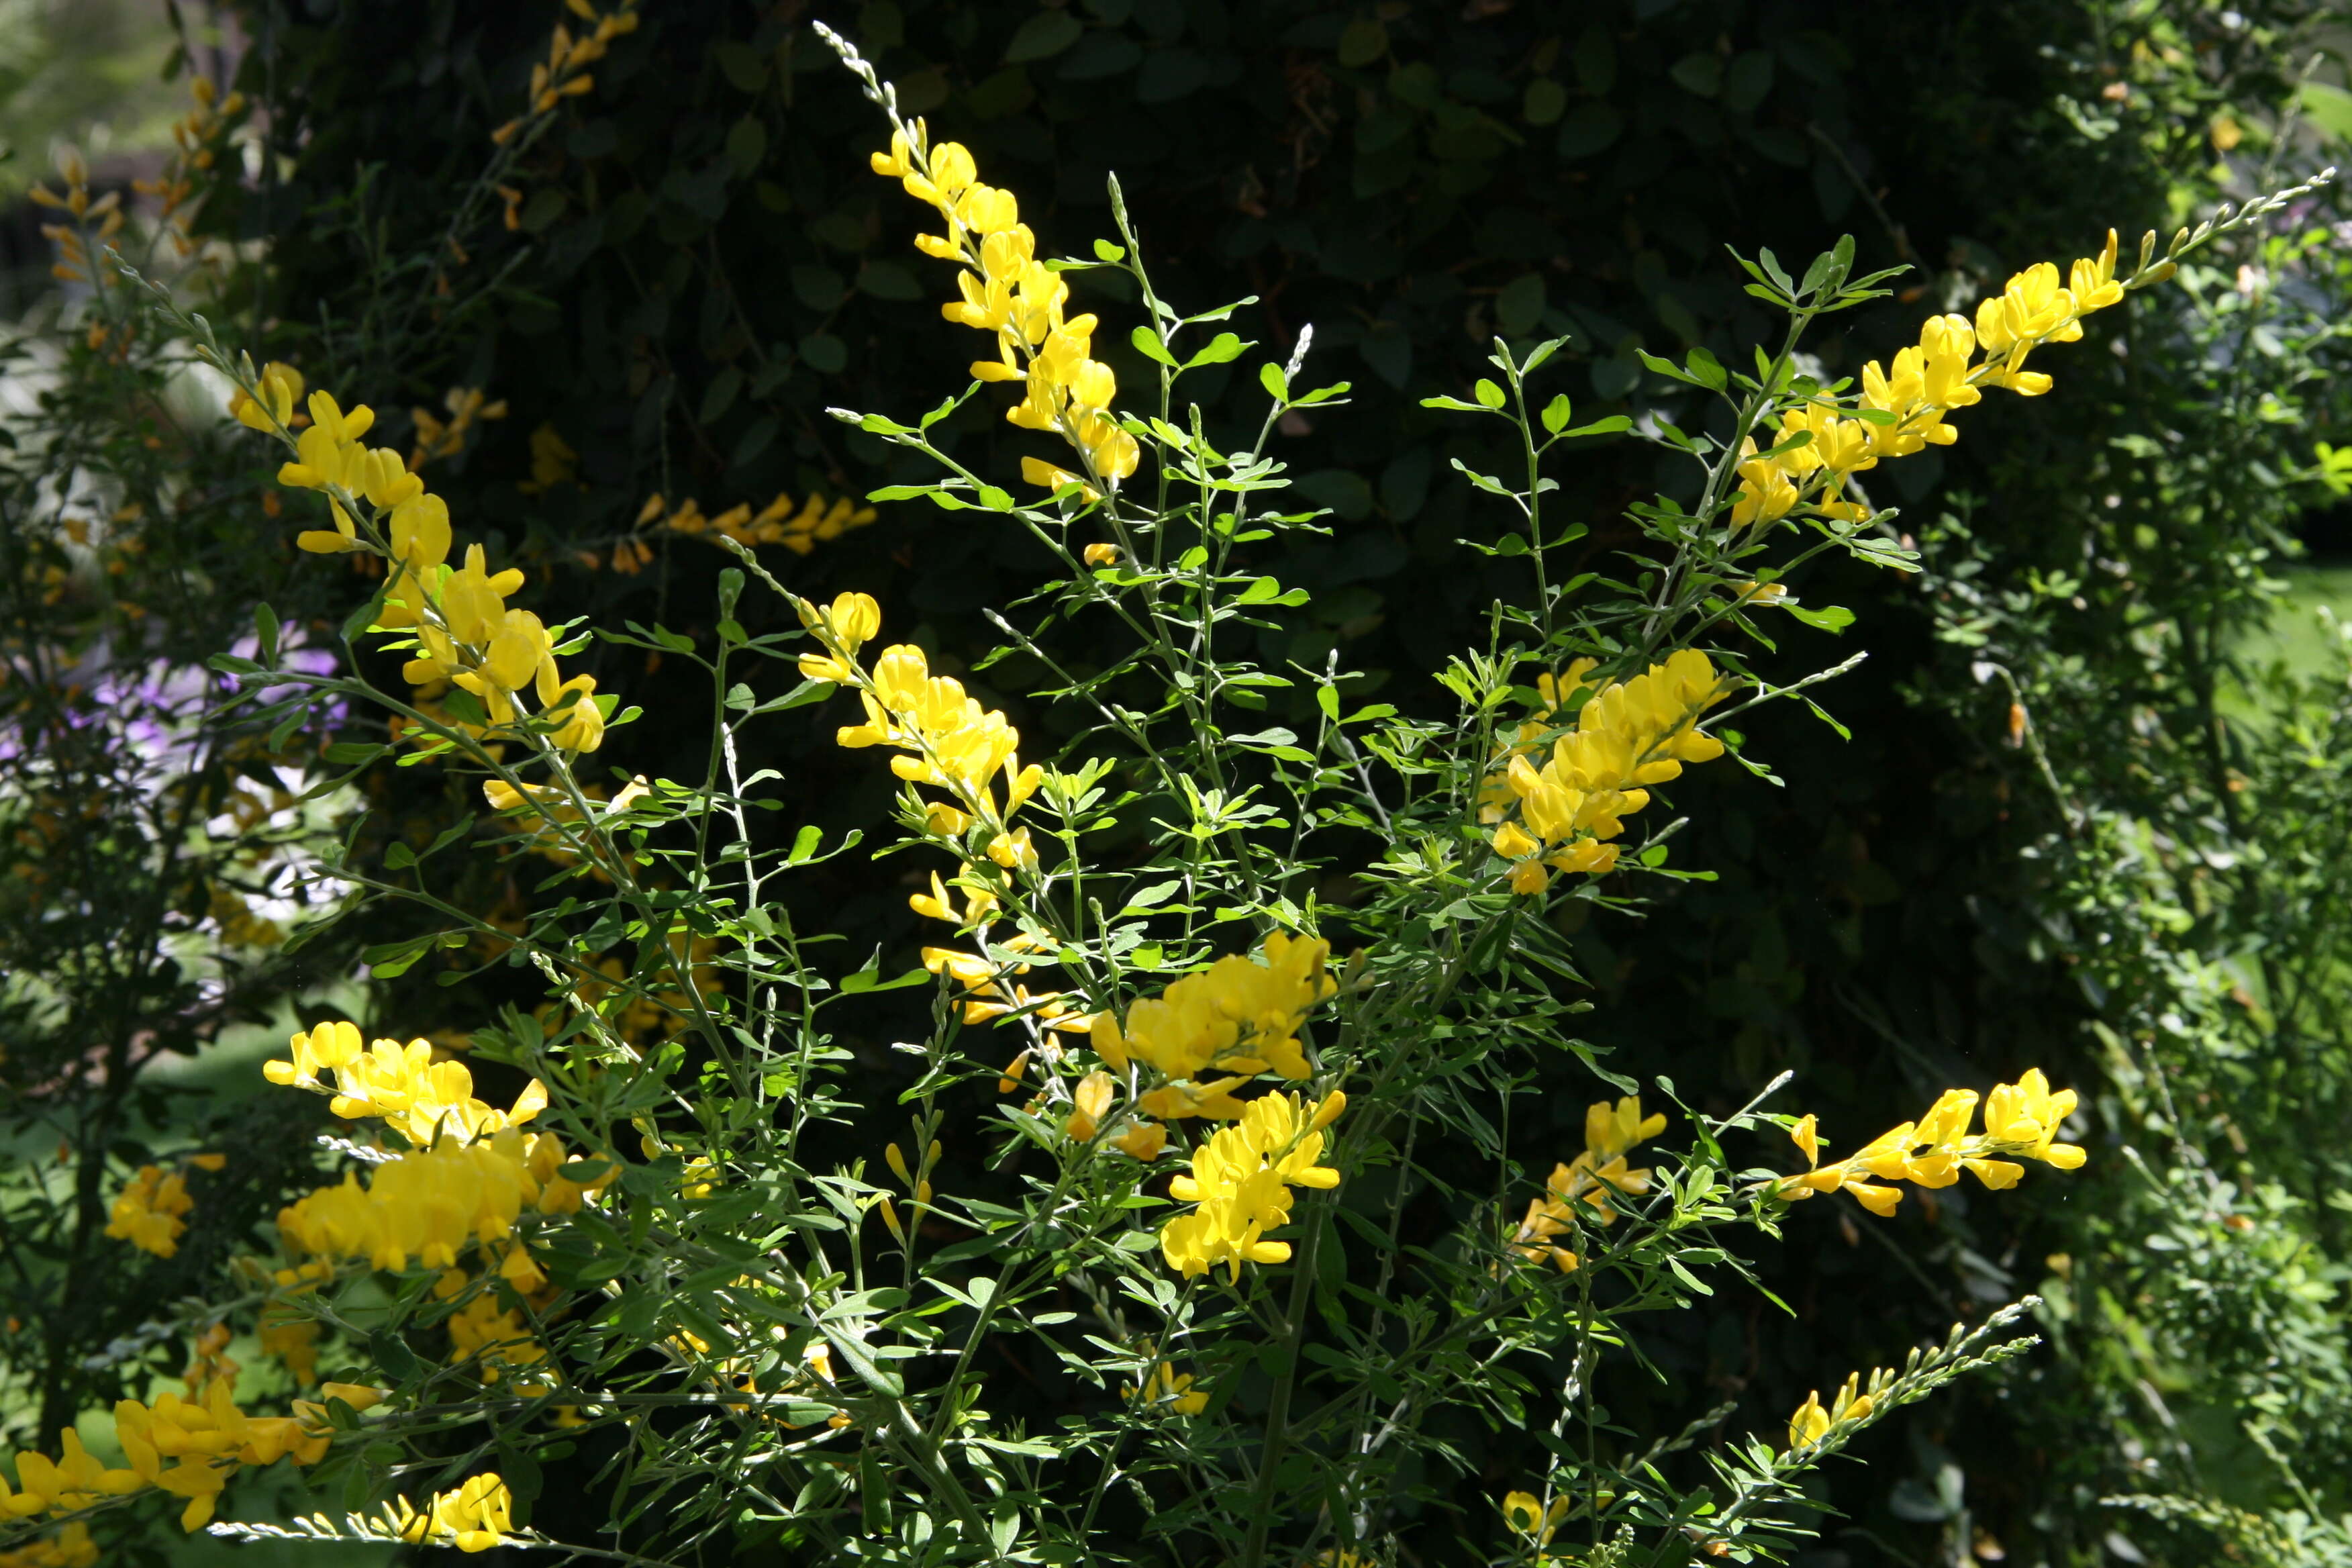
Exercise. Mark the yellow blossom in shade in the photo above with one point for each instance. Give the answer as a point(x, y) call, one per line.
point(2022, 1119)
point(552, 461)
point(1238, 1018)
point(439, 437)
point(1811, 1422)
point(70, 1547)
point(1166, 1386)
point(1579, 1189)
point(147, 1212)
point(1240, 1186)
point(494, 1345)
point(1524, 1514)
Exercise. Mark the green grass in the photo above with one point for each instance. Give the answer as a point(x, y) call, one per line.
point(2297, 639)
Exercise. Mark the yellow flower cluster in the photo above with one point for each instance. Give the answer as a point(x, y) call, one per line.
point(425, 1206)
point(800, 531)
point(1929, 379)
point(1610, 1132)
point(951, 741)
point(986, 995)
point(69, 1548)
point(1852, 1402)
point(105, 211)
point(1629, 734)
point(423, 1100)
point(439, 437)
point(2020, 1119)
point(1237, 1018)
point(208, 1439)
point(564, 73)
point(95, 221)
point(147, 1212)
point(1007, 290)
point(197, 135)
point(464, 633)
point(1241, 1182)
point(476, 1517)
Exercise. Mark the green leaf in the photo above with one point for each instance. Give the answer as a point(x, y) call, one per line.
point(2327, 107)
point(1556, 413)
point(264, 634)
point(392, 1357)
point(1489, 395)
point(1042, 37)
point(1699, 73)
point(1545, 101)
point(747, 144)
point(824, 353)
point(1521, 306)
point(1363, 41)
point(1263, 591)
point(1106, 251)
point(1223, 347)
point(1276, 384)
point(1836, 619)
point(1147, 343)
point(868, 980)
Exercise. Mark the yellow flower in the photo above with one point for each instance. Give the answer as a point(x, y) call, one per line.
point(1166, 1386)
point(1240, 1185)
point(1628, 734)
point(1811, 1423)
point(73, 1481)
point(1525, 1514)
point(474, 1517)
point(1092, 1101)
point(147, 1212)
point(1609, 1133)
point(70, 1547)
point(280, 388)
point(846, 625)
point(1007, 291)
point(2021, 1119)
point(1237, 1018)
